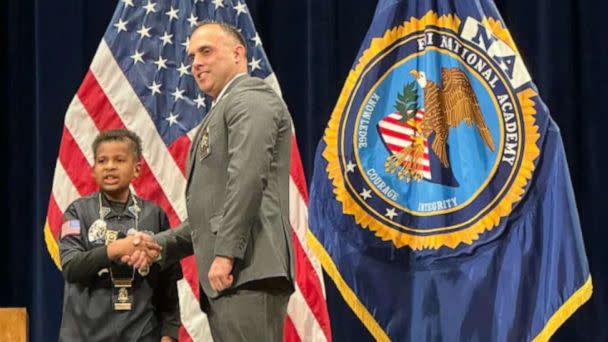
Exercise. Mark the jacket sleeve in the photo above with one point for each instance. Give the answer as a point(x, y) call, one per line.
point(252, 133)
point(176, 244)
point(166, 296)
point(78, 264)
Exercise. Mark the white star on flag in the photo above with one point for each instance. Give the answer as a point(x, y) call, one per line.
point(172, 119)
point(166, 38)
point(155, 87)
point(172, 13)
point(128, 3)
point(240, 8)
point(177, 94)
point(144, 32)
point(255, 64)
point(350, 166)
point(137, 57)
point(192, 20)
point(390, 213)
point(150, 7)
point(366, 194)
point(183, 69)
point(218, 3)
point(121, 25)
point(257, 39)
point(160, 63)
point(200, 101)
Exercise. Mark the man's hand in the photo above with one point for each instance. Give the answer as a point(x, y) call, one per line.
point(138, 250)
point(220, 276)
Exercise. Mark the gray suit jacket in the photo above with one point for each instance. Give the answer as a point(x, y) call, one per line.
point(237, 194)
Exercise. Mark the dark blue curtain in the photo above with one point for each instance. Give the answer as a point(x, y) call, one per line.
point(46, 47)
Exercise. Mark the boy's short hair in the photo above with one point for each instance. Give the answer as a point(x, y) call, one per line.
point(119, 135)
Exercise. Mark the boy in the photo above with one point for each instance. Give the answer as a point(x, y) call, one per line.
point(105, 300)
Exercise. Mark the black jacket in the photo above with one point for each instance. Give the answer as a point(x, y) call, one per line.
point(88, 314)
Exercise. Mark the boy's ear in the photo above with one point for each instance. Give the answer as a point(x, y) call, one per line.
point(137, 168)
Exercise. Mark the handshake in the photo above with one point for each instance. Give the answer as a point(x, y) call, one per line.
point(139, 250)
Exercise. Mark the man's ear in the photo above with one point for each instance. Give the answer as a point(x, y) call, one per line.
point(239, 53)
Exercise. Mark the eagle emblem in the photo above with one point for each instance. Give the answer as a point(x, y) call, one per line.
point(445, 106)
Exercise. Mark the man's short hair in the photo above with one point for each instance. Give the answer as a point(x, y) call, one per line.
point(124, 135)
point(227, 28)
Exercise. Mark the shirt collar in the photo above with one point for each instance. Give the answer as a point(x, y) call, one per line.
point(219, 97)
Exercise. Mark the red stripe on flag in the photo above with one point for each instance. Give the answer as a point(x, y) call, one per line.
point(182, 335)
point(310, 287)
point(75, 164)
point(391, 129)
point(290, 334)
point(179, 150)
point(95, 101)
point(297, 171)
point(395, 134)
point(54, 217)
point(306, 277)
point(394, 148)
point(191, 274)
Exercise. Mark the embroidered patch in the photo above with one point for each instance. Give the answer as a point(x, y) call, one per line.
point(70, 227)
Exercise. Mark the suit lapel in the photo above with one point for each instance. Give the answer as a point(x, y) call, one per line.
point(195, 145)
point(192, 154)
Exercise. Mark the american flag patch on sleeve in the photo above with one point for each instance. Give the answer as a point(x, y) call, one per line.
point(70, 227)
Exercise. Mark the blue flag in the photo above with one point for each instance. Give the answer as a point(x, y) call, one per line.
point(441, 205)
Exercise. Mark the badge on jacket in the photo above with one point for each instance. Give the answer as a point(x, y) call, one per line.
point(97, 231)
point(204, 146)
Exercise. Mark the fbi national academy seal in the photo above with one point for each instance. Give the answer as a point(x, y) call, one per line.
point(433, 138)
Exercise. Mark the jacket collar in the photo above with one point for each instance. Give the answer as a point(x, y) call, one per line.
point(235, 80)
point(107, 212)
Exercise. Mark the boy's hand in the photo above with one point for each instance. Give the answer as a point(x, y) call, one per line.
point(145, 252)
point(134, 246)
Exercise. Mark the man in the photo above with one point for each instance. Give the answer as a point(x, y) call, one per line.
point(237, 195)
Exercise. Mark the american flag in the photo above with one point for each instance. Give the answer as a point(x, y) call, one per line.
point(140, 79)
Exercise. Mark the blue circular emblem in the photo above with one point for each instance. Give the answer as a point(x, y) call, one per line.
point(430, 143)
